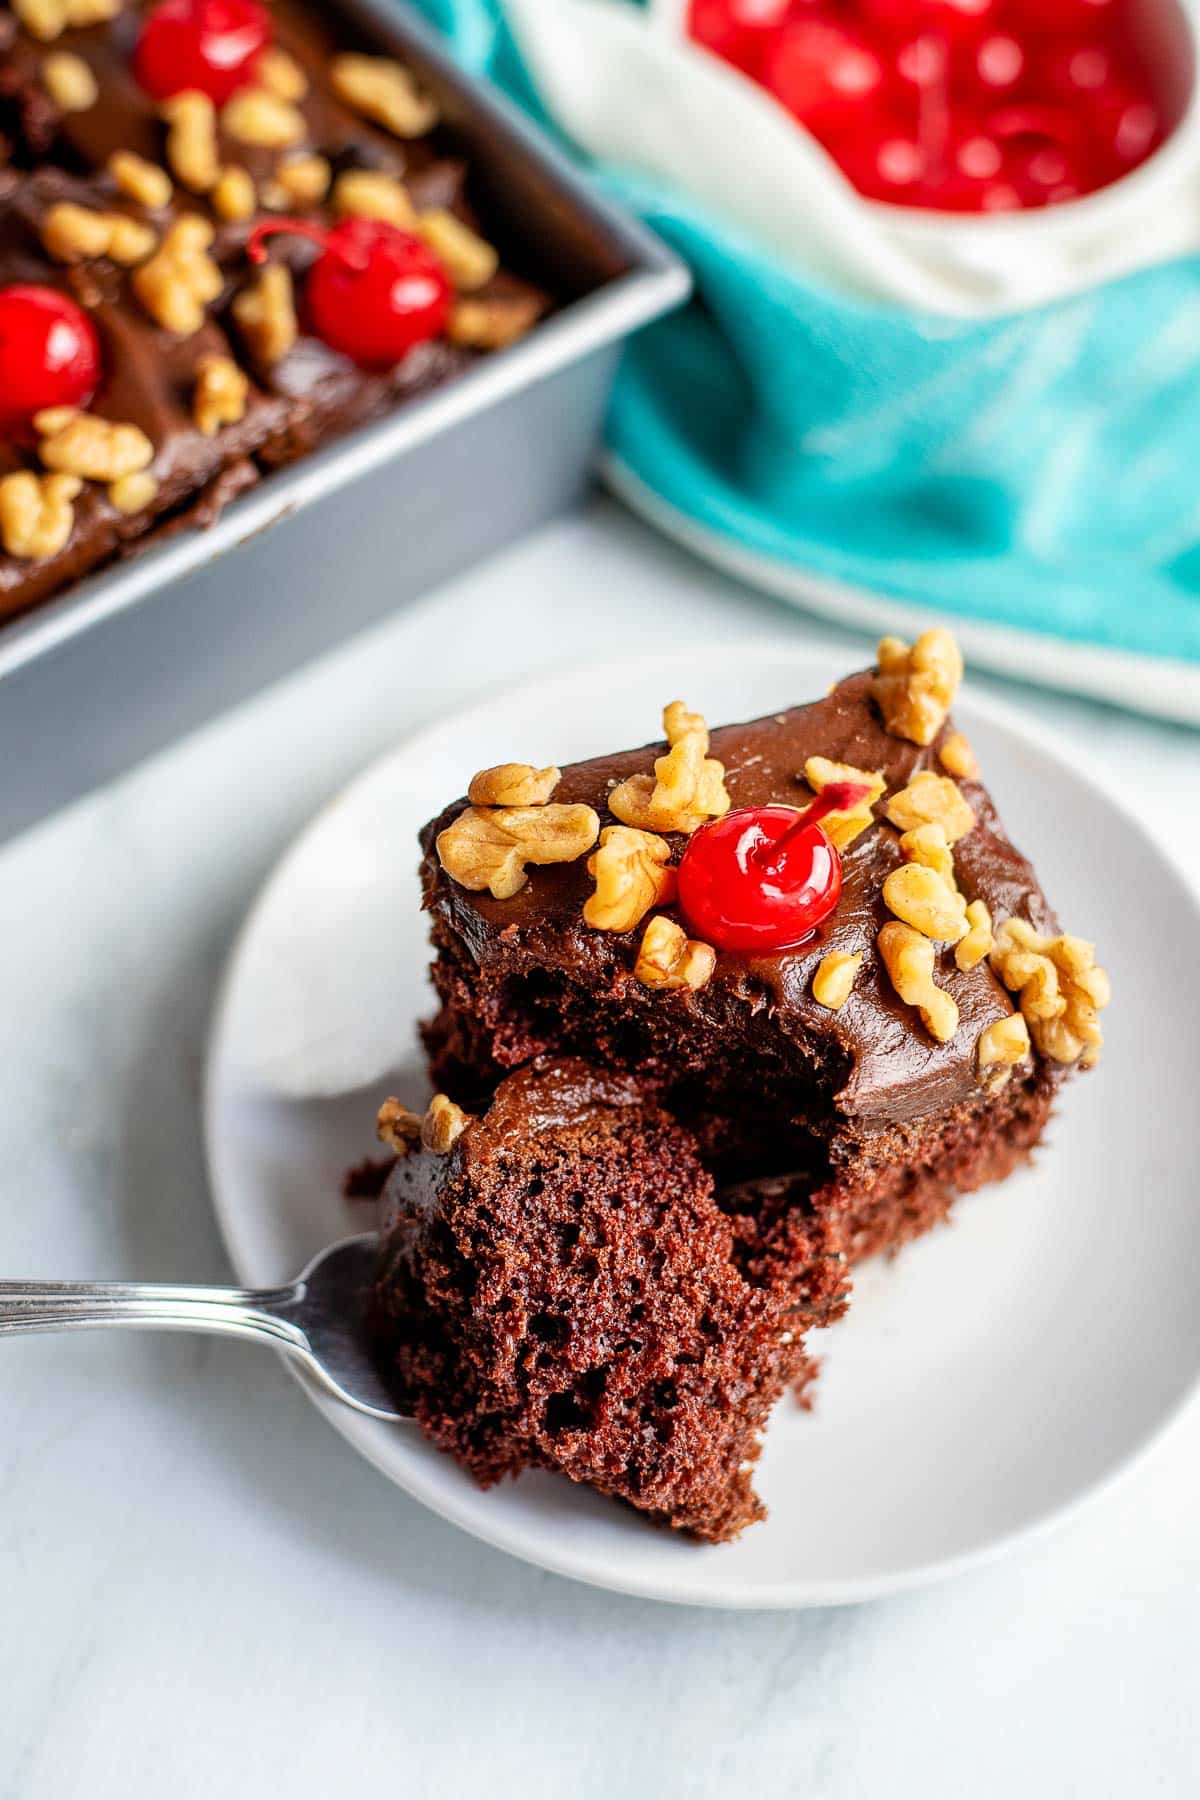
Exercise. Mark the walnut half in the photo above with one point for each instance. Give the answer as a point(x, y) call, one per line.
point(36, 513)
point(632, 875)
point(1061, 988)
point(443, 1125)
point(915, 684)
point(181, 277)
point(925, 900)
point(687, 786)
point(908, 958)
point(489, 849)
point(834, 979)
point(384, 92)
point(265, 314)
point(668, 958)
point(513, 784)
point(931, 799)
point(220, 394)
point(404, 1131)
point(1001, 1046)
point(397, 1127)
point(95, 449)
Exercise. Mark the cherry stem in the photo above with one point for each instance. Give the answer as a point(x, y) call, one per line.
point(838, 796)
point(316, 234)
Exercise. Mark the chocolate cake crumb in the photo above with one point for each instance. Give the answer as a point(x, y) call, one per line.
point(562, 1290)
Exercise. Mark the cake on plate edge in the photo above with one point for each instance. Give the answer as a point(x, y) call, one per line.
point(802, 958)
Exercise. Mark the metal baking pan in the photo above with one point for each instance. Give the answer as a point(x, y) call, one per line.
point(145, 650)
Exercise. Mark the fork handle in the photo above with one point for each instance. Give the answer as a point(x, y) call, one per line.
point(256, 1314)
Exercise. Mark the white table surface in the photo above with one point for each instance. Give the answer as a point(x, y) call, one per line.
point(204, 1593)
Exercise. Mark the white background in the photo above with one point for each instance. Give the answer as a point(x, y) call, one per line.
point(203, 1592)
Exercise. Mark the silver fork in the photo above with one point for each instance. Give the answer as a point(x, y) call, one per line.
point(319, 1318)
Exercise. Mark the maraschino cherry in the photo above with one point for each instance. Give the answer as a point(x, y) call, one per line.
point(916, 99)
point(212, 45)
point(764, 877)
point(373, 293)
point(49, 354)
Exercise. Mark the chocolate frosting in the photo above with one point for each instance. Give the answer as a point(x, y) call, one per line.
point(546, 1095)
point(895, 1070)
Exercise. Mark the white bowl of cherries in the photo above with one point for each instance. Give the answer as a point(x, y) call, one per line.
point(1021, 146)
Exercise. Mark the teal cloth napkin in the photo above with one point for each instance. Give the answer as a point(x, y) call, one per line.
point(1037, 470)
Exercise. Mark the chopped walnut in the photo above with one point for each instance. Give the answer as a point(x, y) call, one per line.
point(494, 322)
point(834, 979)
point(384, 92)
point(513, 784)
point(927, 902)
point(1001, 1045)
point(301, 180)
point(95, 449)
point(129, 240)
point(1061, 989)
point(443, 1125)
point(931, 799)
point(42, 19)
point(48, 19)
point(266, 314)
point(73, 234)
point(281, 74)
point(490, 848)
point(131, 493)
point(70, 233)
point(52, 419)
point(632, 875)
point(929, 845)
point(69, 82)
point(978, 942)
point(398, 1128)
point(916, 684)
point(841, 828)
point(220, 394)
point(253, 115)
point(36, 514)
point(668, 958)
point(687, 786)
point(366, 194)
point(468, 259)
point(957, 757)
point(681, 725)
point(233, 196)
point(140, 180)
point(192, 155)
point(909, 957)
point(680, 721)
point(180, 278)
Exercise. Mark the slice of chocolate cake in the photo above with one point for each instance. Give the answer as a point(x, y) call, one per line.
point(879, 1023)
point(558, 1288)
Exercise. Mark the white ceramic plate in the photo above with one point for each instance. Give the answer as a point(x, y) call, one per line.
point(984, 1382)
